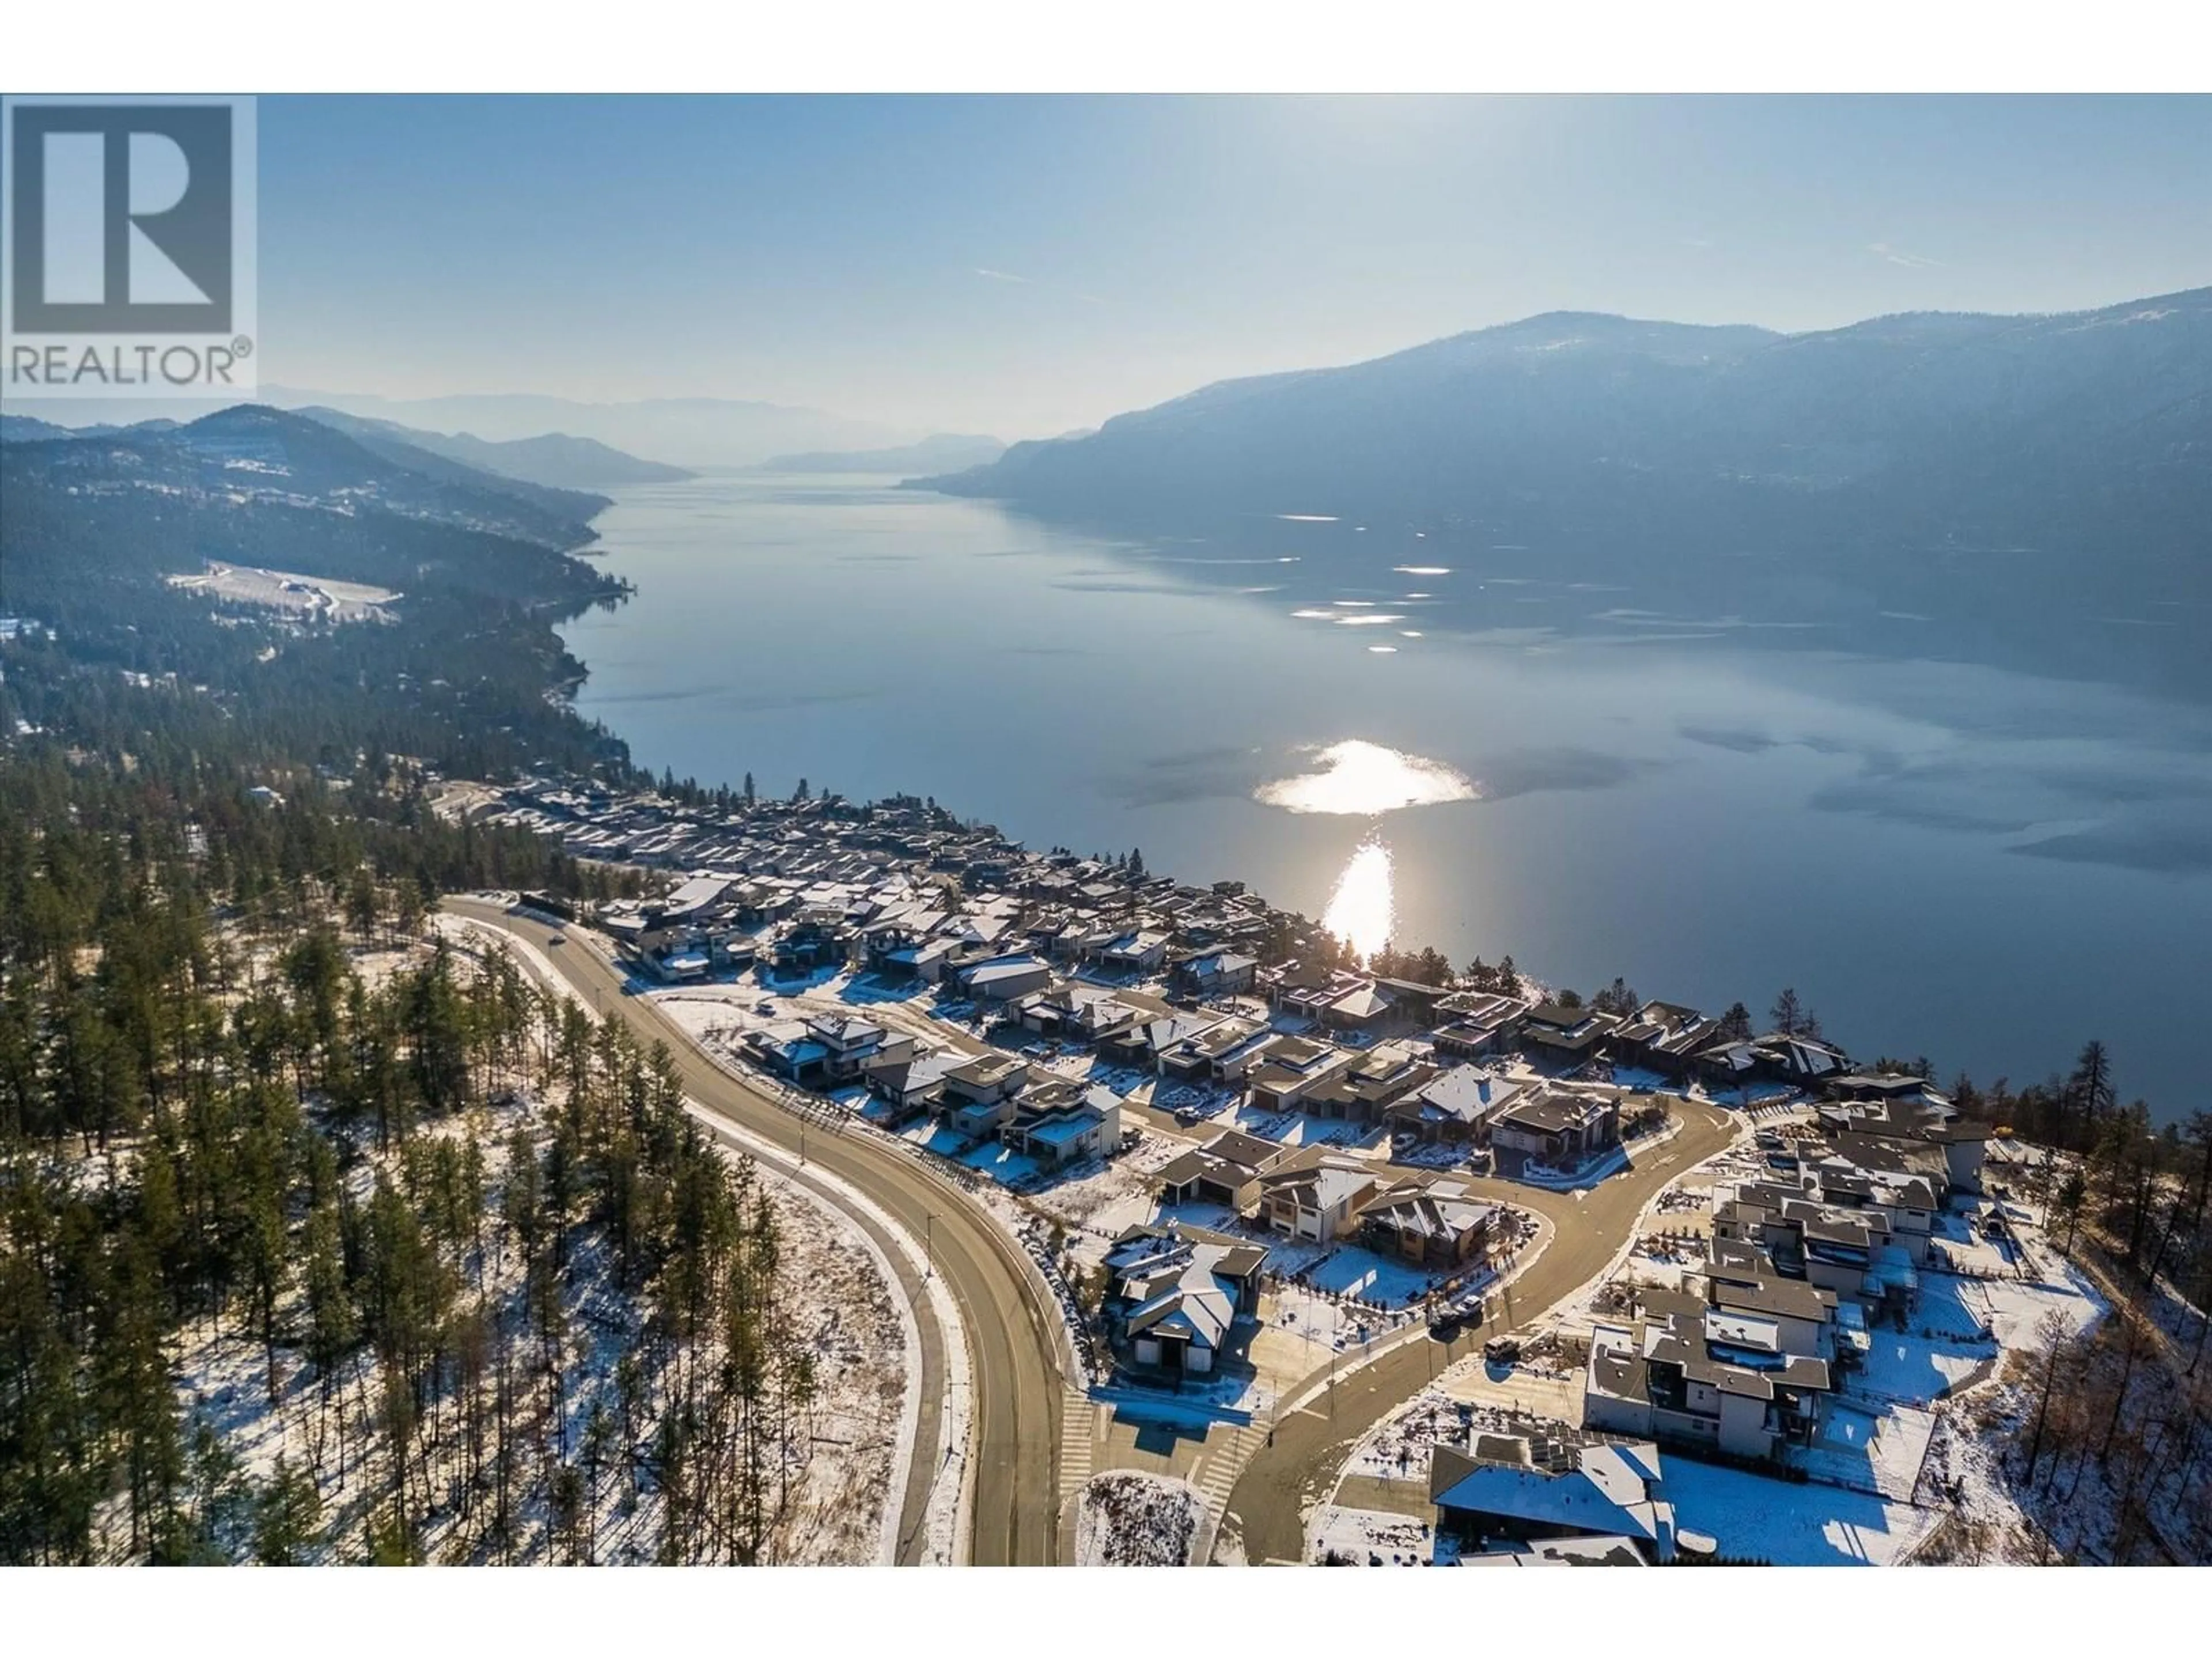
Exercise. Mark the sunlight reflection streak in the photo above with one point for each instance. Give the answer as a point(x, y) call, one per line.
point(1362, 911)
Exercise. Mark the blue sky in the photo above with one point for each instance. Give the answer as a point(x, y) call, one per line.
point(1024, 266)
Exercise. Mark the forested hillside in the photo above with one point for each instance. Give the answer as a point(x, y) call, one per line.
point(496, 1297)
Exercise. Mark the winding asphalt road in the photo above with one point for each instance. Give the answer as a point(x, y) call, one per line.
point(1307, 1448)
point(1011, 1324)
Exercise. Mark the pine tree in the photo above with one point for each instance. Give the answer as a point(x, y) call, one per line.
point(1788, 1015)
point(287, 1517)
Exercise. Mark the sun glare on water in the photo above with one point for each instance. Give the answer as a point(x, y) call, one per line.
point(1363, 779)
point(1361, 911)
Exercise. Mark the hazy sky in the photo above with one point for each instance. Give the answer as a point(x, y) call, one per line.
point(1023, 266)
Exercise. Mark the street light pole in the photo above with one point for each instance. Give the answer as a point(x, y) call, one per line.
point(1336, 1338)
point(928, 1246)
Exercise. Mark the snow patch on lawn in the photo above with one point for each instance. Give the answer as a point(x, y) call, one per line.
point(1790, 1524)
point(1351, 1271)
point(1376, 1537)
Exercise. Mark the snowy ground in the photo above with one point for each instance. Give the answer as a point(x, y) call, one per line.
point(1374, 1538)
point(833, 1504)
point(316, 597)
point(1871, 1448)
point(1791, 1525)
point(1905, 1366)
point(1326, 1323)
point(733, 1006)
point(1351, 1271)
point(1303, 1129)
point(1131, 1520)
point(1109, 1198)
point(1397, 1448)
point(837, 1505)
point(836, 1509)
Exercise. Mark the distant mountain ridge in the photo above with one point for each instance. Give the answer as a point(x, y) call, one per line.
point(682, 432)
point(555, 460)
point(253, 454)
point(27, 430)
point(676, 432)
point(1921, 428)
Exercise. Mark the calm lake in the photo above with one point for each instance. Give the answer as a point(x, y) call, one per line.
point(1945, 858)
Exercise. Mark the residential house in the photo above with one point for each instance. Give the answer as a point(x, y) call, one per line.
point(1906, 1183)
point(1217, 972)
point(1365, 1090)
point(1225, 1171)
point(1430, 1221)
point(1415, 1002)
point(1565, 1037)
point(1291, 1068)
point(1304, 990)
point(1133, 955)
point(1792, 1316)
point(997, 980)
point(1797, 1062)
point(1076, 1013)
point(1835, 1247)
point(1178, 1296)
point(1558, 1125)
point(1221, 1054)
point(1476, 1024)
point(850, 1043)
point(912, 1082)
point(692, 901)
point(1719, 1380)
point(978, 1095)
point(812, 941)
point(674, 956)
point(1898, 1106)
point(790, 1050)
point(1664, 1037)
point(1145, 1042)
point(1506, 1491)
point(1454, 1107)
point(1058, 1123)
point(903, 949)
point(1314, 1194)
point(1364, 1005)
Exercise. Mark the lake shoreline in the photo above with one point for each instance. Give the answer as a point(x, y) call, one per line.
point(926, 646)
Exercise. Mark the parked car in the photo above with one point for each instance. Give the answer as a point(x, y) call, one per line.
point(1502, 1350)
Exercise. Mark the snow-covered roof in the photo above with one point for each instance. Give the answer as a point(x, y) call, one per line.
point(1616, 1489)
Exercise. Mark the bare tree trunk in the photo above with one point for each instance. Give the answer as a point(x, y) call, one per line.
point(2133, 1324)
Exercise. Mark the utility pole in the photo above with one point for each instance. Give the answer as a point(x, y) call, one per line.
point(928, 1246)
